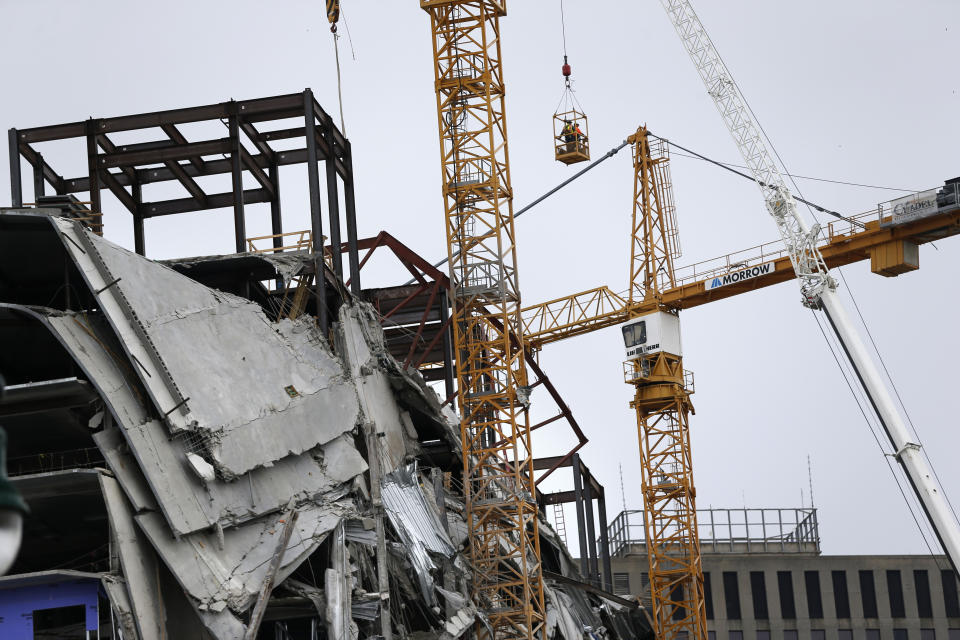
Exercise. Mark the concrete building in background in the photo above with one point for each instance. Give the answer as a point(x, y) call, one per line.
point(766, 579)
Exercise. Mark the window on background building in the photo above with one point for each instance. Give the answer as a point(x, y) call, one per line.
point(818, 634)
point(895, 589)
point(60, 622)
point(869, 595)
point(707, 596)
point(872, 634)
point(921, 584)
point(841, 598)
point(763, 635)
point(676, 594)
point(711, 635)
point(814, 601)
point(928, 634)
point(736, 635)
point(621, 584)
point(758, 589)
point(950, 601)
point(953, 634)
point(788, 611)
point(731, 595)
point(682, 635)
point(900, 634)
point(790, 634)
point(844, 634)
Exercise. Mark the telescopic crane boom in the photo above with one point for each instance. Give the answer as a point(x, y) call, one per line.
point(818, 288)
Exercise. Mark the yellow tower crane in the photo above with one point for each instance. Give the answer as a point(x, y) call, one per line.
point(662, 401)
point(647, 315)
point(491, 374)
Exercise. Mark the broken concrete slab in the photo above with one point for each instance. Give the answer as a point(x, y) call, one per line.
point(228, 572)
point(116, 590)
point(192, 346)
point(189, 503)
point(138, 561)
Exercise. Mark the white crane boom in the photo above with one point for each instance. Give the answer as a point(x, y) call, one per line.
point(816, 284)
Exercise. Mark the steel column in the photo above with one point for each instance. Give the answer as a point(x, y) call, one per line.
point(448, 363)
point(333, 203)
point(604, 541)
point(276, 221)
point(581, 524)
point(316, 217)
point(39, 188)
point(93, 170)
point(351, 213)
point(138, 239)
point(16, 195)
point(236, 170)
point(594, 575)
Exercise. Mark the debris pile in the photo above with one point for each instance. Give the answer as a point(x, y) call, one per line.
point(248, 472)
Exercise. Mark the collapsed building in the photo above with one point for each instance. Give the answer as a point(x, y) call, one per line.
point(237, 446)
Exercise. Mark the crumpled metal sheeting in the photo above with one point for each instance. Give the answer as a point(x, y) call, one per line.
point(230, 363)
point(417, 524)
point(231, 576)
point(357, 531)
point(188, 503)
point(560, 615)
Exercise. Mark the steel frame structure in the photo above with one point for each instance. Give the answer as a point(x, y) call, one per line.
point(491, 372)
point(125, 169)
point(586, 490)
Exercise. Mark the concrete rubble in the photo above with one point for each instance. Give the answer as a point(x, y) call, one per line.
point(249, 464)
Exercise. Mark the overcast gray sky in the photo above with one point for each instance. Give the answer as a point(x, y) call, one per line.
point(861, 91)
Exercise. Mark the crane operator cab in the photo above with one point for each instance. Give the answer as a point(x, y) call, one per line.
point(648, 336)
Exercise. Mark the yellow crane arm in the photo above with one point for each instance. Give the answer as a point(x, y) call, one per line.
point(888, 247)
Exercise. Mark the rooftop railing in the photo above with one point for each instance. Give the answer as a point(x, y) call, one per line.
point(731, 531)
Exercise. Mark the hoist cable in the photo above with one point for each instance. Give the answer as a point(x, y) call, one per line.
point(563, 31)
point(839, 216)
point(336, 52)
point(606, 156)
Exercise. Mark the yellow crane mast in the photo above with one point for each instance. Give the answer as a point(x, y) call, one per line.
point(662, 403)
point(491, 373)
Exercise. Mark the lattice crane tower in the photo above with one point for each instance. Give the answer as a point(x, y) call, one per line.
point(662, 403)
point(491, 373)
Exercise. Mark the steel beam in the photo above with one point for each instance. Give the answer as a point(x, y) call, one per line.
point(214, 201)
